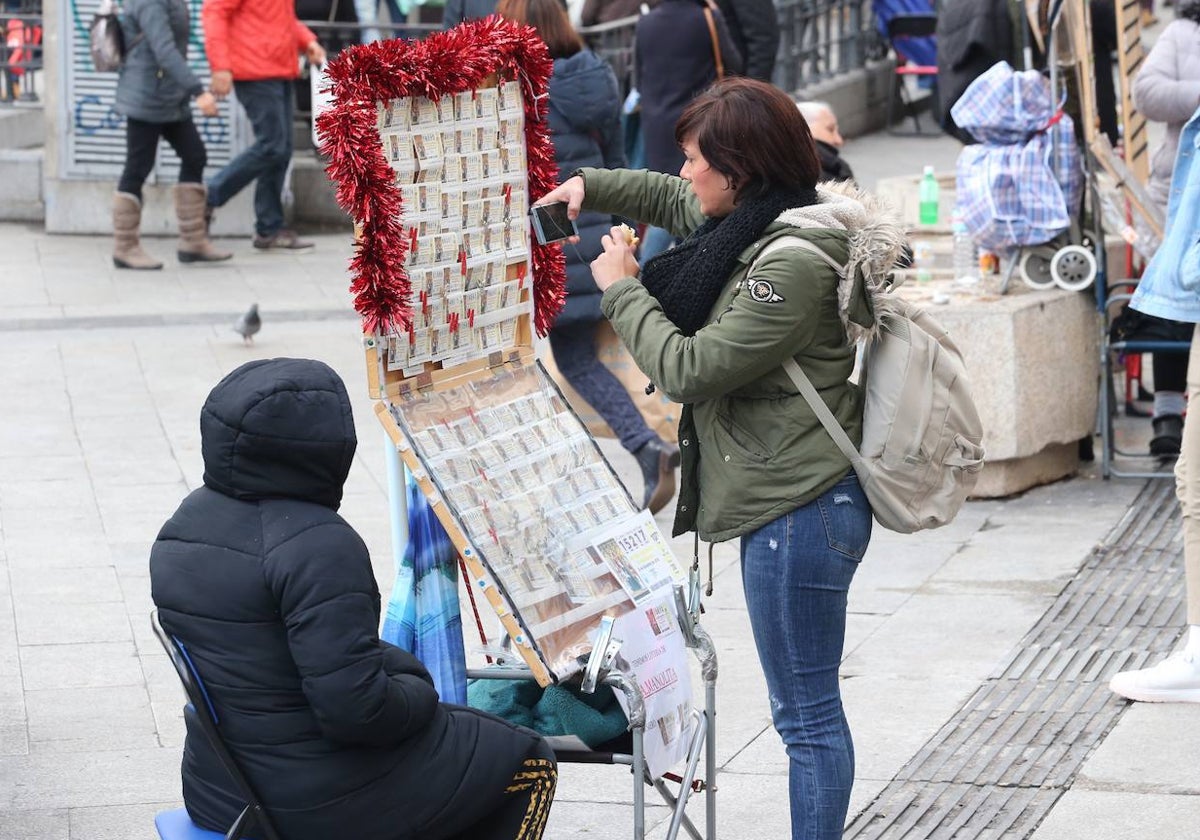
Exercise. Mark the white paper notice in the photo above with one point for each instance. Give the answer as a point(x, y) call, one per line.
point(655, 654)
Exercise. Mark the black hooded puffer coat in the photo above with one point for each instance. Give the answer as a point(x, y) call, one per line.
point(272, 594)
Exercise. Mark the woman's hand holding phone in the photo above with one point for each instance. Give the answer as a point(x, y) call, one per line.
point(571, 193)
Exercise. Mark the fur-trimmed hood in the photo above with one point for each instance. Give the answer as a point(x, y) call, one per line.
point(875, 240)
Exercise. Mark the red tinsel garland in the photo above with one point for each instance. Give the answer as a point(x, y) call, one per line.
point(443, 64)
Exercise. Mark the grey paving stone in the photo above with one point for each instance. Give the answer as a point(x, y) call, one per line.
point(1152, 749)
point(122, 822)
point(57, 544)
point(596, 820)
point(44, 623)
point(66, 720)
point(89, 779)
point(97, 665)
point(34, 824)
point(14, 740)
point(15, 466)
point(66, 586)
point(1097, 815)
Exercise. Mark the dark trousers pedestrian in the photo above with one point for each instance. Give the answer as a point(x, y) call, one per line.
point(141, 151)
point(270, 108)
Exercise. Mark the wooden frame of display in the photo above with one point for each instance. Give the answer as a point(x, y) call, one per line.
point(400, 118)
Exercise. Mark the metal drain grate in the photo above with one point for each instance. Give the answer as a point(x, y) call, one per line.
point(998, 766)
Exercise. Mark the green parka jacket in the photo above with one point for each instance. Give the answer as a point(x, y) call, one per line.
point(752, 449)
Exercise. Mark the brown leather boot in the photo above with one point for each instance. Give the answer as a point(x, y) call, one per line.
point(127, 220)
point(194, 244)
point(658, 460)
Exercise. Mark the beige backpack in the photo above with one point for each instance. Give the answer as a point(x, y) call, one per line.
point(922, 437)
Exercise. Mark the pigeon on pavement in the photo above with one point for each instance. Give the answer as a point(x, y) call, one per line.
point(248, 324)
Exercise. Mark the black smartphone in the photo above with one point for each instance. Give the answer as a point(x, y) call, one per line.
point(551, 224)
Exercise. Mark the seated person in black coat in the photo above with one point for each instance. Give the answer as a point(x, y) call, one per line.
point(272, 594)
point(823, 125)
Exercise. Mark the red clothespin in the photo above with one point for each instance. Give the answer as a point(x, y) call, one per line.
point(471, 318)
point(412, 336)
point(508, 194)
point(521, 276)
point(462, 260)
point(412, 239)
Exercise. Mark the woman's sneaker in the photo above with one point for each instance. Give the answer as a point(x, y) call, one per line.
point(1174, 680)
point(281, 240)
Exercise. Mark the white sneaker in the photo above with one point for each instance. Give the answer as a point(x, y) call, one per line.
point(1174, 680)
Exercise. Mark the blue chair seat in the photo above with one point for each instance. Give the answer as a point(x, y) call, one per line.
point(177, 825)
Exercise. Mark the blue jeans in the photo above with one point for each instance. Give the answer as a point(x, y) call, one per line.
point(657, 241)
point(270, 107)
point(796, 571)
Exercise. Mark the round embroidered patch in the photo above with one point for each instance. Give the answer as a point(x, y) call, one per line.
point(764, 292)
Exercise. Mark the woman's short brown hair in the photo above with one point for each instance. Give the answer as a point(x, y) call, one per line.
point(549, 18)
point(752, 133)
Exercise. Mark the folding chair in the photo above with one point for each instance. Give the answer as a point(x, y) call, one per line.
point(1110, 453)
point(902, 28)
point(597, 671)
point(176, 824)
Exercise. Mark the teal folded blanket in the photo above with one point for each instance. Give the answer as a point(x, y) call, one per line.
point(555, 710)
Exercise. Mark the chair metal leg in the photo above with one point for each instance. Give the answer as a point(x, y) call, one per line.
point(639, 784)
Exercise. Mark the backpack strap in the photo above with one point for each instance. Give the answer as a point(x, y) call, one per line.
point(793, 369)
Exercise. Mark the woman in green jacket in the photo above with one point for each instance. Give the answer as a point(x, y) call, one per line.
point(710, 323)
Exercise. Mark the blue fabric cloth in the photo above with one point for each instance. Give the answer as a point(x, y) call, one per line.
point(270, 105)
point(917, 50)
point(423, 616)
point(1170, 285)
point(1022, 183)
point(796, 571)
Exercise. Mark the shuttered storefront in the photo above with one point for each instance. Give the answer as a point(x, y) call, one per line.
point(95, 140)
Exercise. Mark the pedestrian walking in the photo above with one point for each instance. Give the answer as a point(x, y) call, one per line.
point(273, 597)
point(711, 325)
point(252, 49)
point(680, 48)
point(1167, 89)
point(154, 93)
point(585, 127)
point(754, 29)
point(1168, 290)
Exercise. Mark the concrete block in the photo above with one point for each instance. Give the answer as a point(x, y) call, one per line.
point(22, 128)
point(21, 174)
point(1034, 365)
point(1012, 475)
point(313, 194)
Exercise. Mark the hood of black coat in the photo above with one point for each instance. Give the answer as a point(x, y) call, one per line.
point(583, 92)
point(278, 428)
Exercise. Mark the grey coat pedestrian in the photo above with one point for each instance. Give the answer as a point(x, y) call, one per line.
point(1167, 89)
point(156, 85)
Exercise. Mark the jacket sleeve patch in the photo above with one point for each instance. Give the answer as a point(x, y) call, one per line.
point(763, 292)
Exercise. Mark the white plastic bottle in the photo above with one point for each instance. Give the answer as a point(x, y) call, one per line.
point(966, 256)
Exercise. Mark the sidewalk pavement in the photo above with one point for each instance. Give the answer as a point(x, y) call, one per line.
point(104, 373)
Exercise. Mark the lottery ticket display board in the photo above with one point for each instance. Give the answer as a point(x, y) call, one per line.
point(438, 148)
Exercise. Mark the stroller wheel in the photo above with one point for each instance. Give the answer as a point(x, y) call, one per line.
point(1073, 268)
point(1035, 270)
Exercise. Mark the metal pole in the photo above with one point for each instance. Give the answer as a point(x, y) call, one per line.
point(710, 762)
point(397, 500)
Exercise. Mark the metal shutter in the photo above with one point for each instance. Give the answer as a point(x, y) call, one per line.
point(95, 147)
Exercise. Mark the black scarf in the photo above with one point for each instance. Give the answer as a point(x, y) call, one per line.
point(687, 280)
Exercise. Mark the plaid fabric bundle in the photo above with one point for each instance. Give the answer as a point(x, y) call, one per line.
point(1020, 185)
